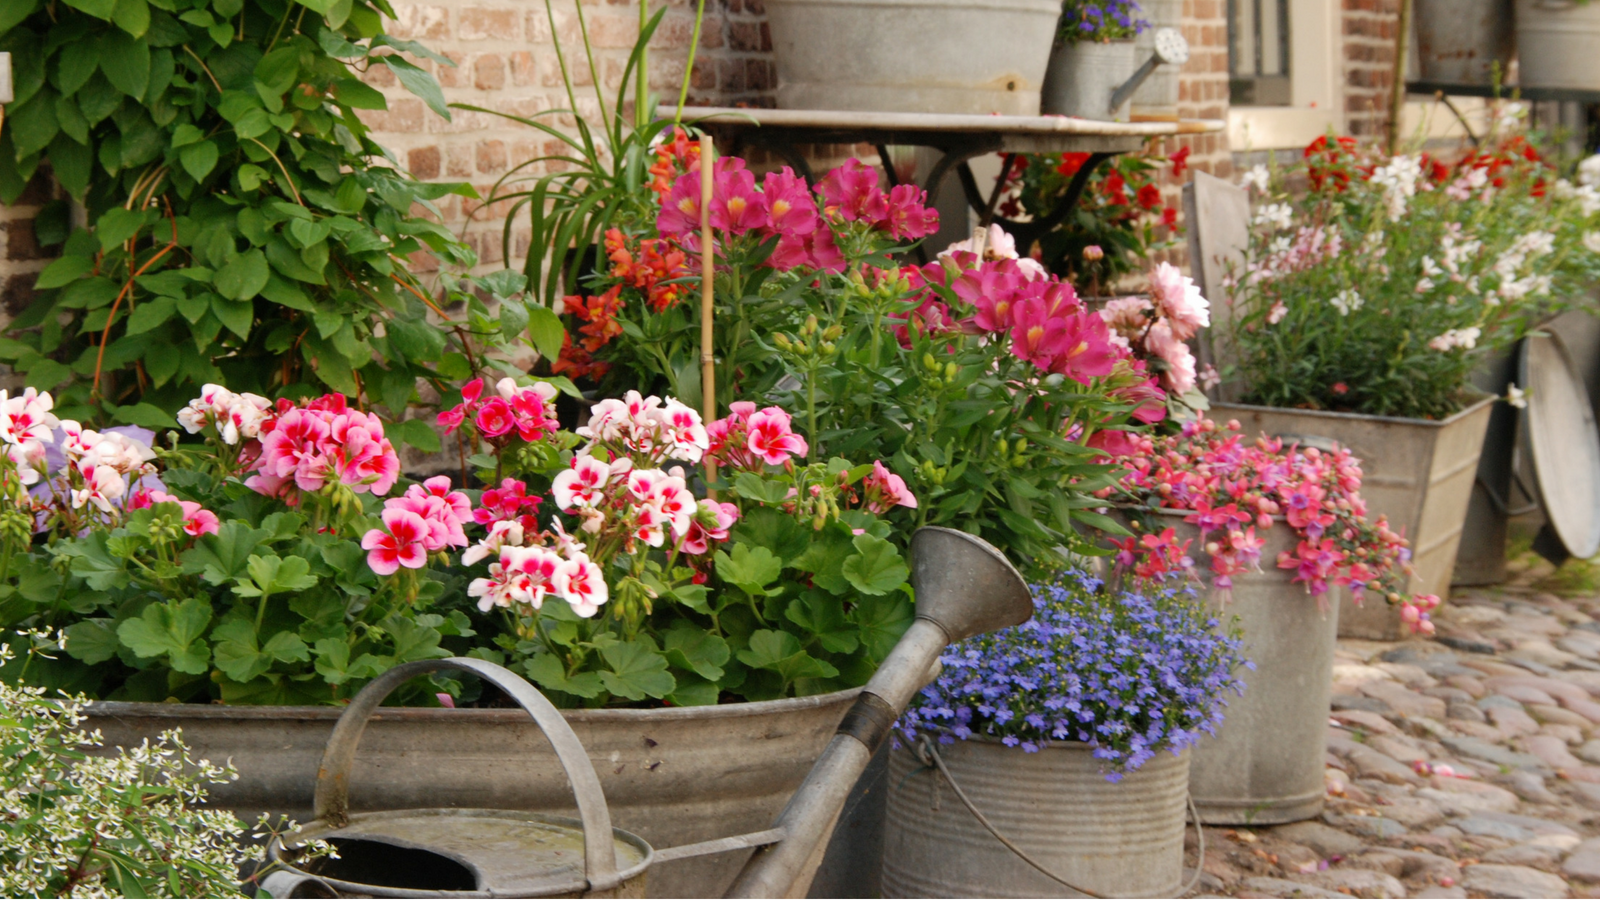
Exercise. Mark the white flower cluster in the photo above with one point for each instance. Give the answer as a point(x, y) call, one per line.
point(1529, 246)
point(1276, 215)
point(1589, 171)
point(1465, 338)
point(108, 462)
point(1258, 177)
point(1586, 193)
point(106, 824)
point(1399, 182)
point(1347, 301)
point(237, 416)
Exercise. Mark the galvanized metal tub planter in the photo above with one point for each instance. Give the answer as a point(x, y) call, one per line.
point(1115, 840)
point(1417, 472)
point(1462, 41)
point(672, 776)
point(923, 56)
point(1083, 76)
point(1555, 44)
point(1264, 765)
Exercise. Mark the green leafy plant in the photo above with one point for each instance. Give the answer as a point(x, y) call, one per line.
point(1382, 287)
point(242, 226)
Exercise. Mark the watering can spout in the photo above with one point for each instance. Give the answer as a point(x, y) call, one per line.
point(964, 587)
point(1170, 49)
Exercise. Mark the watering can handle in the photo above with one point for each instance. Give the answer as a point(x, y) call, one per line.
point(332, 803)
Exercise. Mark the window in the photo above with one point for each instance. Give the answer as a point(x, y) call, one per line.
point(1258, 53)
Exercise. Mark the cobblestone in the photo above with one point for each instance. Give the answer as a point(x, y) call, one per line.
point(1515, 722)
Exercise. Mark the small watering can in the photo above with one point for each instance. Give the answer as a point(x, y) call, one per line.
point(1083, 77)
point(963, 587)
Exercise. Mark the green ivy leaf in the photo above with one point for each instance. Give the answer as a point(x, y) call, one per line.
point(172, 629)
point(638, 670)
point(64, 271)
point(146, 414)
point(418, 433)
point(132, 16)
point(875, 567)
point(126, 63)
point(100, 9)
point(150, 314)
point(199, 159)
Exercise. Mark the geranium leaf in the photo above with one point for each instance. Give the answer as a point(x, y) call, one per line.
point(638, 670)
point(875, 567)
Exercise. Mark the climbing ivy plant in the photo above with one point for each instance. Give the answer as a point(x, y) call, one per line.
point(241, 225)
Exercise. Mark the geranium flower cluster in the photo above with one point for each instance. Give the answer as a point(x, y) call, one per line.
point(307, 446)
point(511, 412)
point(236, 417)
point(748, 438)
point(197, 520)
point(784, 208)
point(1234, 491)
point(427, 518)
point(1132, 674)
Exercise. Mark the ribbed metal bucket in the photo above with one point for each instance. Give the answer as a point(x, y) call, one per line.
point(1556, 41)
point(1264, 766)
point(1117, 840)
point(1417, 472)
point(1156, 99)
point(672, 776)
point(925, 56)
point(1460, 41)
point(1083, 76)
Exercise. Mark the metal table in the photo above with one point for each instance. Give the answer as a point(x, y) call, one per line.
point(960, 138)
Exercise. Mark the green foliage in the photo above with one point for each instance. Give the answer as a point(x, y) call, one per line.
point(242, 225)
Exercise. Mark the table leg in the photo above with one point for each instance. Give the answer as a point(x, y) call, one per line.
point(1028, 232)
point(887, 162)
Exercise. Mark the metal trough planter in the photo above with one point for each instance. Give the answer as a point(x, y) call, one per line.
point(671, 776)
point(1417, 472)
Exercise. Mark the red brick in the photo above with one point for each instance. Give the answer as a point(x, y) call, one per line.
point(489, 72)
point(523, 71)
point(17, 293)
point(424, 162)
point(452, 76)
point(482, 23)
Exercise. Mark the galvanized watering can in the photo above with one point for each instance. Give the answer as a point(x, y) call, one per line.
point(963, 587)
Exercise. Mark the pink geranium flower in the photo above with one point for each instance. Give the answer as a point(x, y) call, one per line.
point(883, 490)
point(771, 438)
point(400, 545)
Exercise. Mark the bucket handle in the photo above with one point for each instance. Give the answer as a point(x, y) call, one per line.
point(332, 803)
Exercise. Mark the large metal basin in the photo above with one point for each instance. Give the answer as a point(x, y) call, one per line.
point(671, 776)
point(1417, 472)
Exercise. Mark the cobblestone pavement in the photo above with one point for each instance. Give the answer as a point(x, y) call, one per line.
point(1509, 697)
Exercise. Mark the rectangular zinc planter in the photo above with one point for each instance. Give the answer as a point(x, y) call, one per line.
point(1417, 472)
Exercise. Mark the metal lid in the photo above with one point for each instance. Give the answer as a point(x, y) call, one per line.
point(1565, 444)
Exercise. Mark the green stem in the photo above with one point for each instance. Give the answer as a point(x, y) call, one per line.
point(811, 410)
point(261, 612)
point(688, 66)
point(641, 89)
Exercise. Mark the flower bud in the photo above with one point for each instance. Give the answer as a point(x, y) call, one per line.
point(782, 342)
point(810, 327)
point(828, 348)
point(833, 332)
point(1093, 253)
point(951, 370)
point(931, 364)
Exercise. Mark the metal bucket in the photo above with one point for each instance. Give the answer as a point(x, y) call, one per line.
point(1157, 99)
point(1461, 41)
point(1116, 840)
point(671, 776)
point(1264, 766)
point(1556, 41)
point(1083, 76)
point(1417, 472)
point(925, 56)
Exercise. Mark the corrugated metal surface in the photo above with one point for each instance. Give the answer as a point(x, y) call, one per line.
point(1117, 840)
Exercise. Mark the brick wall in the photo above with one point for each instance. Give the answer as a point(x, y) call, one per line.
point(1369, 30)
point(1203, 84)
point(506, 60)
point(21, 257)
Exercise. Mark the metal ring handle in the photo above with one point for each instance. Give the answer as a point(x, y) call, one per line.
point(332, 803)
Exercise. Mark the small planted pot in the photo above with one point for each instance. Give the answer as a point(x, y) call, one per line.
point(1418, 472)
point(1464, 41)
point(1083, 76)
point(1556, 42)
point(1121, 839)
point(1264, 765)
point(972, 57)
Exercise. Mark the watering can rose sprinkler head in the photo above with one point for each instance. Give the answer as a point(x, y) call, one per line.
point(964, 587)
point(1170, 49)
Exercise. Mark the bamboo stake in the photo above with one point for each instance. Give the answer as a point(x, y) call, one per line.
point(708, 369)
point(1397, 89)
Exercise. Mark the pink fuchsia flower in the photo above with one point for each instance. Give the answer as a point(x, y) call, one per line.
point(582, 584)
point(790, 210)
point(1177, 361)
point(1180, 301)
point(852, 191)
point(772, 439)
point(907, 216)
point(883, 490)
point(736, 205)
point(581, 485)
point(400, 545)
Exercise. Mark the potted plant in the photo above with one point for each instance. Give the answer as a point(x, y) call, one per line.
point(946, 56)
point(1092, 56)
point(1071, 734)
point(281, 563)
point(1366, 302)
point(1269, 523)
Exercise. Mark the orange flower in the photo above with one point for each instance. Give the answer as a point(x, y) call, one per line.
point(577, 362)
point(673, 158)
